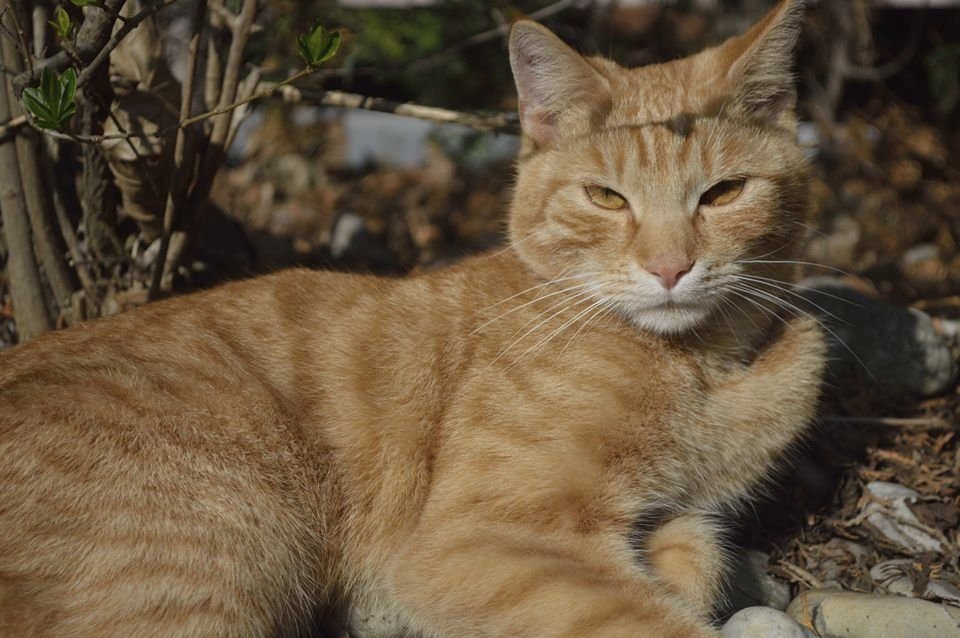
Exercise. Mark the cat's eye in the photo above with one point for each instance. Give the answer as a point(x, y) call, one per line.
point(723, 193)
point(605, 197)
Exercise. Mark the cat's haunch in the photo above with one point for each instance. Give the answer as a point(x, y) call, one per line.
point(474, 452)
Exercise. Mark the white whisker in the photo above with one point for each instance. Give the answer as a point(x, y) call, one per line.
point(781, 288)
point(577, 299)
point(792, 261)
point(544, 341)
point(800, 312)
point(605, 306)
point(532, 301)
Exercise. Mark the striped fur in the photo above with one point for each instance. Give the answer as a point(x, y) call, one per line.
point(469, 452)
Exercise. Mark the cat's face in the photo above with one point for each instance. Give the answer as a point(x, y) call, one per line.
point(658, 191)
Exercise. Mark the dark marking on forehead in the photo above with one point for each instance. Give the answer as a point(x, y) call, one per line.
point(681, 124)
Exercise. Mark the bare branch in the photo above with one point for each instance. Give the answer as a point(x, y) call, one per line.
point(129, 24)
point(267, 90)
point(487, 122)
point(905, 423)
point(178, 184)
point(10, 125)
point(24, 49)
point(39, 18)
point(87, 280)
point(213, 74)
point(92, 37)
point(26, 287)
point(246, 91)
point(228, 18)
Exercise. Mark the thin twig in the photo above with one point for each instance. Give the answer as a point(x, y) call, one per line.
point(213, 74)
point(914, 424)
point(229, 18)
point(800, 574)
point(87, 280)
point(129, 24)
point(247, 88)
point(269, 90)
point(10, 125)
point(488, 122)
point(24, 49)
point(40, 19)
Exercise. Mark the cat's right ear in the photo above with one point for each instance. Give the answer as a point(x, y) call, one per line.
point(555, 84)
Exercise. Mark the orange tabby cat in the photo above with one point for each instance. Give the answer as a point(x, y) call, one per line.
point(531, 443)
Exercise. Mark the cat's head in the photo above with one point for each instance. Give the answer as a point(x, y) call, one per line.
point(664, 188)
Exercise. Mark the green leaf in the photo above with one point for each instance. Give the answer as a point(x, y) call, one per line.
point(318, 45)
point(53, 103)
point(62, 24)
point(86, 3)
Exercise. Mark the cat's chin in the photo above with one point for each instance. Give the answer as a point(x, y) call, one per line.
point(669, 319)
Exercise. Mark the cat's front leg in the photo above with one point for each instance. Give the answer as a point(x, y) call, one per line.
point(756, 414)
point(533, 585)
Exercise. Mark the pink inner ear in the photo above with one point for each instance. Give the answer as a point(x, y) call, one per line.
point(537, 122)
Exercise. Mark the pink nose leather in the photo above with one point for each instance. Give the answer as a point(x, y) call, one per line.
point(669, 272)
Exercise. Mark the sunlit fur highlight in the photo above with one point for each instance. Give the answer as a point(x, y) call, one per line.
point(530, 443)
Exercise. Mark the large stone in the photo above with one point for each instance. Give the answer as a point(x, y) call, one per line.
point(898, 351)
point(763, 622)
point(836, 614)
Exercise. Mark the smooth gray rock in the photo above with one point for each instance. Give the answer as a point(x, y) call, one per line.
point(836, 614)
point(763, 622)
point(898, 351)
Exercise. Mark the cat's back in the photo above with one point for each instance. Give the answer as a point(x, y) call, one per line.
point(162, 451)
point(244, 322)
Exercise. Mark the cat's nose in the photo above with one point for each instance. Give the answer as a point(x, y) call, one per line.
point(669, 271)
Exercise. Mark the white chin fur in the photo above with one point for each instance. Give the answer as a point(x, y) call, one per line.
point(669, 320)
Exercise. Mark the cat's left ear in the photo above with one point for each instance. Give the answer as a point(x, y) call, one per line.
point(756, 68)
point(556, 87)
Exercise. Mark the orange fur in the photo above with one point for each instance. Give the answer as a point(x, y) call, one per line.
point(461, 453)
